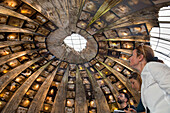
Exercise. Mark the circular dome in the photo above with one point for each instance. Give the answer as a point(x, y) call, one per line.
point(57, 46)
point(40, 72)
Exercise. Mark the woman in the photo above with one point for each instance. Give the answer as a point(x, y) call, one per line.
point(155, 89)
point(135, 81)
point(136, 84)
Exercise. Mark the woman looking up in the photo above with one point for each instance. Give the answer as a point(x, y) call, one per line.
point(136, 82)
point(155, 89)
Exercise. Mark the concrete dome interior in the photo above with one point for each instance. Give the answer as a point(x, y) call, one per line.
point(40, 73)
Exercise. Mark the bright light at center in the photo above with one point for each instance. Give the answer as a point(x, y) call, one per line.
point(76, 41)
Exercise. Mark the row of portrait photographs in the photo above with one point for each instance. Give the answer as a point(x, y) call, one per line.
point(25, 25)
point(89, 9)
point(92, 6)
point(135, 30)
point(129, 6)
point(111, 16)
point(10, 36)
point(28, 11)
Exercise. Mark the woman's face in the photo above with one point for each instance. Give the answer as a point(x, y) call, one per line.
point(134, 59)
point(135, 84)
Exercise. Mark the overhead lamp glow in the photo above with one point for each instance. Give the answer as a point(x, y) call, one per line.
point(76, 41)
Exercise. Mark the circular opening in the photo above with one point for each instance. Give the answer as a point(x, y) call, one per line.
point(76, 41)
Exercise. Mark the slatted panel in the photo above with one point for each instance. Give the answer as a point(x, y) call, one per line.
point(111, 86)
point(9, 12)
point(8, 77)
point(10, 43)
point(8, 28)
point(80, 101)
point(10, 57)
point(124, 81)
point(60, 99)
point(17, 97)
point(39, 98)
point(102, 106)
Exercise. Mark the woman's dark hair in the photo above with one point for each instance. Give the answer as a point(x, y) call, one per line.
point(136, 76)
point(147, 52)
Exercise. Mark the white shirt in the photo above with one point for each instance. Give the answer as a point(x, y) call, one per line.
point(155, 89)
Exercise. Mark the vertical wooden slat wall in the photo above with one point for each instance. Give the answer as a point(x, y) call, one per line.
point(39, 98)
point(8, 77)
point(13, 103)
point(111, 86)
point(60, 99)
point(10, 57)
point(13, 43)
point(80, 101)
point(9, 12)
point(124, 81)
point(102, 106)
point(8, 28)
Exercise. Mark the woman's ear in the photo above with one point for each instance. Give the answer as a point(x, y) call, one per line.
point(141, 57)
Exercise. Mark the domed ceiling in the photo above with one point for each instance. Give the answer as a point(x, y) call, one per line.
point(40, 72)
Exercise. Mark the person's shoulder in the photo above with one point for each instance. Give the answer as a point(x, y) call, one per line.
point(156, 69)
point(154, 63)
point(151, 65)
point(131, 106)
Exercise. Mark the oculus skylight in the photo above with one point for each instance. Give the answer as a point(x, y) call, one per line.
point(76, 41)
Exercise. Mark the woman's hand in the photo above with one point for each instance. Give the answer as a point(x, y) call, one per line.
point(130, 110)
